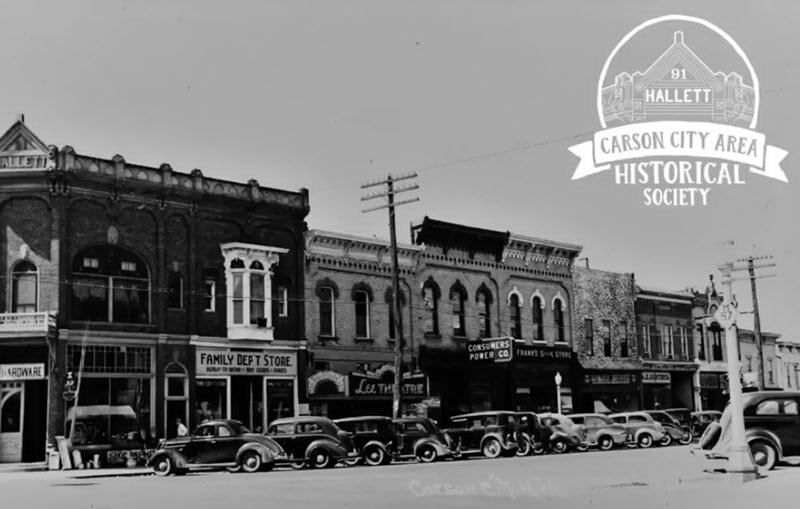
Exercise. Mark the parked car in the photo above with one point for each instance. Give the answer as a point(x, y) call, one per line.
point(534, 435)
point(701, 420)
point(312, 441)
point(772, 428)
point(564, 433)
point(600, 431)
point(379, 439)
point(491, 433)
point(645, 429)
point(221, 443)
point(682, 415)
point(674, 431)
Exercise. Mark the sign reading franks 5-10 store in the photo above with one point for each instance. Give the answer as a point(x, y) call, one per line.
point(224, 362)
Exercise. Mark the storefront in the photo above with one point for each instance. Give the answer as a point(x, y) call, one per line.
point(364, 392)
point(713, 390)
point(668, 385)
point(23, 412)
point(611, 391)
point(252, 386)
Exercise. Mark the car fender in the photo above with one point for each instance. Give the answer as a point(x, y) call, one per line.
point(178, 459)
point(496, 436)
point(441, 449)
point(335, 449)
point(646, 431)
point(752, 435)
point(266, 455)
point(375, 443)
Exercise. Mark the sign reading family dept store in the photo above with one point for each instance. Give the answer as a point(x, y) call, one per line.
point(223, 362)
point(678, 127)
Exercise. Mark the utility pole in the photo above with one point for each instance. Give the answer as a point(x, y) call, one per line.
point(390, 204)
point(751, 269)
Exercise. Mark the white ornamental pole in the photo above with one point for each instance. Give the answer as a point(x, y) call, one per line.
point(558, 391)
point(741, 467)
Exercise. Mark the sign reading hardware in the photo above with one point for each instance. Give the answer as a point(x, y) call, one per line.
point(223, 362)
point(33, 371)
point(497, 350)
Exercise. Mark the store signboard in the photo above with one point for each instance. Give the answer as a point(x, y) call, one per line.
point(609, 379)
point(655, 377)
point(32, 371)
point(496, 350)
point(211, 362)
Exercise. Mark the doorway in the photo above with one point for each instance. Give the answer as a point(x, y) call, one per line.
point(12, 399)
point(247, 401)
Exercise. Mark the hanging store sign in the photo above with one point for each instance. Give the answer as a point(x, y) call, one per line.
point(654, 377)
point(224, 362)
point(33, 371)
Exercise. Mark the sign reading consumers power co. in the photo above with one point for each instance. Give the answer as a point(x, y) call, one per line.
point(224, 362)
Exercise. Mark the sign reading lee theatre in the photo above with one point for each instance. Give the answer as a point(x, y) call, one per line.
point(223, 362)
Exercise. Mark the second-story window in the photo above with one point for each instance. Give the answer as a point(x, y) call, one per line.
point(516, 319)
point(558, 318)
point(258, 301)
point(458, 299)
point(175, 289)
point(622, 329)
point(667, 341)
point(430, 299)
point(588, 335)
point(684, 343)
point(606, 332)
point(646, 341)
point(716, 344)
point(484, 299)
point(24, 288)
point(701, 352)
point(283, 301)
point(327, 313)
point(538, 323)
point(361, 302)
point(770, 372)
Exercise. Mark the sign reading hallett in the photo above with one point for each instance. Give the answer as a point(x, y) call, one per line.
point(678, 127)
point(223, 362)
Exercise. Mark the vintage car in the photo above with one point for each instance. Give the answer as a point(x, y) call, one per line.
point(772, 429)
point(674, 431)
point(682, 415)
point(379, 440)
point(535, 436)
point(491, 433)
point(644, 429)
point(315, 442)
point(565, 435)
point(701, 420)
point(221, 443)
point(601, 432)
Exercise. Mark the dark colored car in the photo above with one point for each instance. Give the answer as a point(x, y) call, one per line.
point(379, 440)
point(534, 434)
point(565, 435)
point(674, 431)
point(491, 433)
point(682, 415)
point(701, 420)
point(222, 443)
point(312, 441)
point(772, 428)
point(601, 432)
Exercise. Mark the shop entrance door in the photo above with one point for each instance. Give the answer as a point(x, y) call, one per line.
point(12, 404)
point(281, 397)
point(247, 401)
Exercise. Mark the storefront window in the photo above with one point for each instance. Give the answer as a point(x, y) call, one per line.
point(24, 288)
point(280, 399)
point(212, 399)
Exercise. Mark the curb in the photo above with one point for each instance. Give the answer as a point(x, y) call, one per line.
point(108, 474)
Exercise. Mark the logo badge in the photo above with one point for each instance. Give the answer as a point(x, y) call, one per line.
point(681, 120)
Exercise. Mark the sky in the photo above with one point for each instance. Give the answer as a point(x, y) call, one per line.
point(481, 98)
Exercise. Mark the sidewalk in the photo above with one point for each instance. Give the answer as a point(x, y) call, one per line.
point(40, 471)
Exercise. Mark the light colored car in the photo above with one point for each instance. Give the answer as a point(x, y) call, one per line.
point(642, 426)
point(602, 432)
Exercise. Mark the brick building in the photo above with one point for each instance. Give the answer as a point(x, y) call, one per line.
point(711, 353)
point(474, 283)
point(157, 295)
point(605, 339)
point(748, 356)
point(350, 324)
point(665, 325)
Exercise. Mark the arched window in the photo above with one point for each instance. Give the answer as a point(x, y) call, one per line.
point(110, 284)
point(558, 317)
point(458, 299)
point(361, 301)
point(538, 326)
point(430, 298)
point(516, 321)
point(484, 300)
point(237, 277)
point(24, 288)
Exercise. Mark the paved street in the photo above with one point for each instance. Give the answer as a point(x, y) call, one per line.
point(624, 478)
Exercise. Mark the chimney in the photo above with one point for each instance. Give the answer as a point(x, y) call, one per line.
point(678, 37)
point(21, 118)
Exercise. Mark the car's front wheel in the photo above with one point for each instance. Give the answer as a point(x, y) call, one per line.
point(427, 454)
point(559, 446)
point(320, 458)
point(686, 437)
point(605, 443)
point(764, 455)
point(667, 440)
point(524, 448)
point(492, 448)
point(250, 462)
point(162, 466)
point(374, 456)
point(645, 440)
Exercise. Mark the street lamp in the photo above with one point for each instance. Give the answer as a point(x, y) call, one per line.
point(558, 379)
